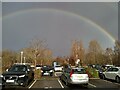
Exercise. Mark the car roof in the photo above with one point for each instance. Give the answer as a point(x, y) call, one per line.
point(109, 65)
point(21, 63)
point(118, 67)
point(77, 68)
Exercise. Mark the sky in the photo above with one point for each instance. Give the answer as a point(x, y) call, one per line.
point(59, 23)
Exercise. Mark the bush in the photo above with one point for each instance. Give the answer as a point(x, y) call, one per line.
point(37, 74)
point(92, 73)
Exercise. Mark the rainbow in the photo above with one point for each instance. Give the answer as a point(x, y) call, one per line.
point(65, 12)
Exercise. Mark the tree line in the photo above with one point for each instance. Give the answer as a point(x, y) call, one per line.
point(37, 52)
point(95, 54)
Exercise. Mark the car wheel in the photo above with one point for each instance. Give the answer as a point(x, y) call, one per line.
point(66, 83)
point(51, 74)
point(103, 77)
point(117, 79)
point(61, 79)
point(32, 78)
point(26, 83)
point(100, 76)
point(86, 85)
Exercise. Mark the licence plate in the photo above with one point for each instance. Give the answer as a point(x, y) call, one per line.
point(80, 76)
point(10, 81)
point(46, 73)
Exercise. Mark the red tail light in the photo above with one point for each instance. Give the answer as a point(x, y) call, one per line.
point(71, 73)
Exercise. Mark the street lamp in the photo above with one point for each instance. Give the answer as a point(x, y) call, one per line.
point(24, 60)
point(21, 55)
point(68, 60)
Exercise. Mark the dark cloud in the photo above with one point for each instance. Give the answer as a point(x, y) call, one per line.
point(58, 28)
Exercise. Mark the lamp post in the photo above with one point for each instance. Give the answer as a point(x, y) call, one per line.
point(21, 55)
point(24, 59)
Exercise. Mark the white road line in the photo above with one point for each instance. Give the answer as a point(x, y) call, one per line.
point(32, 84)
point(55, 74)
point(91, 85)
point(60, 83)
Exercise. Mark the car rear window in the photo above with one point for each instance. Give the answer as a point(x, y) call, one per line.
point(79, 71)
point(57, 66)
point(38, 65)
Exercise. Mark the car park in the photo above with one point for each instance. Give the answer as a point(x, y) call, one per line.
point(75, 76)
point(17, 75)
point(112, 73)
point(47, 70)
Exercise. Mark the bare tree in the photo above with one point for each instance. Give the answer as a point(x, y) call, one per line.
point(8, 58)
point(95, 51)
point(77, 51)
point(38, 47)
point(109, 54)
point(117, 53)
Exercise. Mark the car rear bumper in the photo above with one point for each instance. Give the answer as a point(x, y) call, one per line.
point(79, 82)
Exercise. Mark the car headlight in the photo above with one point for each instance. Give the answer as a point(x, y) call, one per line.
point(21, 76)
point(51, 70)
point(1, 76)
point(100, 72)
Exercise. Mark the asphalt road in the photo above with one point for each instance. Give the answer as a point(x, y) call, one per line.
point(54, 82)
point(47, 82)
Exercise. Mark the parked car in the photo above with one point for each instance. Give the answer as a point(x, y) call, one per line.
point(107, 66)
point(38, 66)
point(18, 74)
point(74, 76)
point(47, 70)
point(58, 68)
point(112, 73)
point(102, 69)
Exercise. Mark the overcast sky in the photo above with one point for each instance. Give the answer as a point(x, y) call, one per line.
point(59, 23)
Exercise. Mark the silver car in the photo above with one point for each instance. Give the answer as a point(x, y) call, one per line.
point(112, 73)
point(75, 76)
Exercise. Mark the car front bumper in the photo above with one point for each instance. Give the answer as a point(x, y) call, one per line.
point(19, 82)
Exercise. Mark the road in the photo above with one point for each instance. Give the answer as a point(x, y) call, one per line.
point(54, 82)
point(47, 82)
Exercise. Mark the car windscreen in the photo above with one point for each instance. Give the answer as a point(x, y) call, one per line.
point(18, 68)
point(79, 71)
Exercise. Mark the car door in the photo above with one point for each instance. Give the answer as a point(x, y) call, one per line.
point(114, 73)
point(108, 73)
point(66, 74)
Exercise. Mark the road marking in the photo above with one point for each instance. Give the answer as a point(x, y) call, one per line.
point(91, 85)
point(55, 74)
point(32, 84)
point(60, 83)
